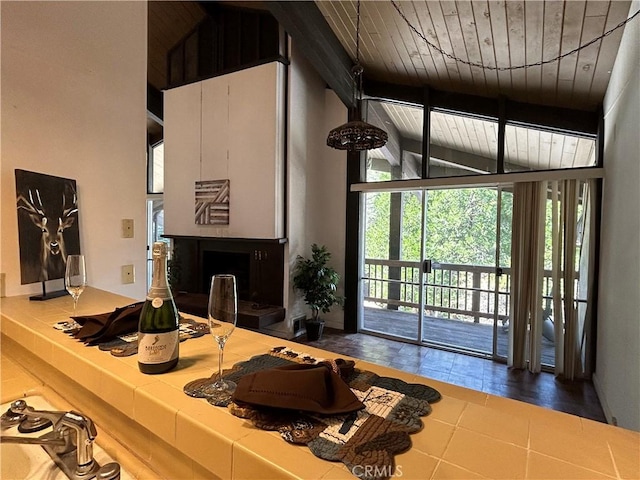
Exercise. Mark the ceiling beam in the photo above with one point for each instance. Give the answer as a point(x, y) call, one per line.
point(464, 160)
point(411, 165)
point(310, 32)
point(470, 160)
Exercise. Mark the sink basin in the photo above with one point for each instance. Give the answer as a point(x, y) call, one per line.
point(18, 461)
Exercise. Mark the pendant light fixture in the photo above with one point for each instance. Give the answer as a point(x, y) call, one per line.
point(357, 135)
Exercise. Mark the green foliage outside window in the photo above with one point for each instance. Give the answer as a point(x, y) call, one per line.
point(460, 226)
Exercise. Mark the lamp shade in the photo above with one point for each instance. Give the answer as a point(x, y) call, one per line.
point(356, 136)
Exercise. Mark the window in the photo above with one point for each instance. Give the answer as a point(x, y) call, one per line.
point(528, 148)
point(401, 157)
point(477, 150)
point(155, 174)
point(462, 145)
point(155, 202)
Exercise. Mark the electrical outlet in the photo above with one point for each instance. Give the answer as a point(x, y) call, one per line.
point(298, 325)
point(127, 228)
point(128, 274)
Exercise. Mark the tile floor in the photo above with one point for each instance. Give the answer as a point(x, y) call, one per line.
point(543, 389)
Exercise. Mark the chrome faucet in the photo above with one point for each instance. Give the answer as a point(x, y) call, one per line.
point(69, 444)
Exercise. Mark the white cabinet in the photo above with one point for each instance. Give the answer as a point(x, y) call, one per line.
point(227, 127)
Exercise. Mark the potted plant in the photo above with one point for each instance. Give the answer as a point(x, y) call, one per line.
point(319, 283)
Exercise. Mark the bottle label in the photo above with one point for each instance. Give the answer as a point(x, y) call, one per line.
point(154, 348)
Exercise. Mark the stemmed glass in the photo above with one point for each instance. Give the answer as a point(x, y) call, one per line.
point(75, 277)
point(223, 312)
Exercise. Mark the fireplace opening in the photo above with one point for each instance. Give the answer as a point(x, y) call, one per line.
point(258, 265)
point(234, 263)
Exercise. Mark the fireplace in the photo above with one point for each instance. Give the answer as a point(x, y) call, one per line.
point(234, 263)
point(257, 264)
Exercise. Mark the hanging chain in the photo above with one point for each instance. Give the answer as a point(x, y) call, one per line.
point(357, 70)
point(358, 33)
point(502, 69)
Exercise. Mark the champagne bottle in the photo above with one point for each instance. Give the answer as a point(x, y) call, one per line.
point(158, 340)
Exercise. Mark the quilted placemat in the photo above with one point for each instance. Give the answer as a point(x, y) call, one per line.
point(365, 441)
point(127, 345)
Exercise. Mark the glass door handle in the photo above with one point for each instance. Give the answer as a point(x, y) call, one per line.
point(426, 266)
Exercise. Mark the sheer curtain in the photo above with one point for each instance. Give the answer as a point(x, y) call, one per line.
point(572, 303)
point(560, 214)
point(587, 280)
point(527, 272)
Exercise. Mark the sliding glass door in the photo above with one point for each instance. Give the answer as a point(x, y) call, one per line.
point(430, 269)
point(392, 278)
point(460, 241)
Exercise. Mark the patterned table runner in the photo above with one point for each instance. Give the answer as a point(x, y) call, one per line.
point(127, 345)
point(365, 441)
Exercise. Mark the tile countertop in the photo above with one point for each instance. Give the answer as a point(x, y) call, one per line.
point(468, 435)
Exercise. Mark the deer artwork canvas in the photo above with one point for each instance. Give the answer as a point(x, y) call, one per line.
point(48, 229)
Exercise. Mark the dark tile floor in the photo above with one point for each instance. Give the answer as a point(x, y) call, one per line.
point(543, 389)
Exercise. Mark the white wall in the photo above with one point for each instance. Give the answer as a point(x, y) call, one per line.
point(316, 174)
point(227, 127)
point(74, 106)
point(617, 376)
point(316, 179)
point(329, 198)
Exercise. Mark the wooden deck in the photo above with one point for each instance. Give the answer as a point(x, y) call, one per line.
point(476, 337)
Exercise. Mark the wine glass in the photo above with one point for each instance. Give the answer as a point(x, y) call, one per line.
point(75, 277)
point(223, 312)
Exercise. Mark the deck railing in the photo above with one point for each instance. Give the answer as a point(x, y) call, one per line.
point(461, 292)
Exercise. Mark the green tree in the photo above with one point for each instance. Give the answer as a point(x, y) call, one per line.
point(460, 226)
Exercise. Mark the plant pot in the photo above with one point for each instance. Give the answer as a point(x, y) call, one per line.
point(314, 330)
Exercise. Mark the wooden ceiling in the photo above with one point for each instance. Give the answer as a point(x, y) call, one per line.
point(503, 34)
point(492, 33)
point(168, 23)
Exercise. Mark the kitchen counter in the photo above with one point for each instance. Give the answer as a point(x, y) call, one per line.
point(468, 435)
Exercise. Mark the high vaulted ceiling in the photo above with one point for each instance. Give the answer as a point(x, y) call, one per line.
point(492, 33)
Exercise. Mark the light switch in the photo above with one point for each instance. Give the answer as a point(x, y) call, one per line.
point(127, 228)
point(128, 275)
